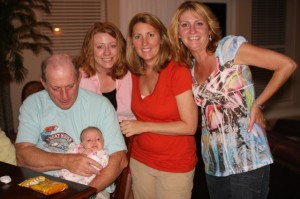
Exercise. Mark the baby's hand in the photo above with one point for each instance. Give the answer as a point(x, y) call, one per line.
point(84, 151)
point(87, 151)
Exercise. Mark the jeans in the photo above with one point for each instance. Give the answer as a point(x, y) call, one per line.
point(249, 185)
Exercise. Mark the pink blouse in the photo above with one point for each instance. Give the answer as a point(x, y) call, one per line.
point(123, 90)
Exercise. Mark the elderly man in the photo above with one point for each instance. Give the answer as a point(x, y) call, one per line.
point(51, 121)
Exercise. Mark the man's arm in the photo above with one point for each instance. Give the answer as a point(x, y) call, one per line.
point(28, 155)
point(116, 163)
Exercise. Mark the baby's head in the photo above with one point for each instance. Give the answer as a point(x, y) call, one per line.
point(91, 138)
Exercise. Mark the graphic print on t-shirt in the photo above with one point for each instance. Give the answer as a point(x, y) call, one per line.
point(56, 141)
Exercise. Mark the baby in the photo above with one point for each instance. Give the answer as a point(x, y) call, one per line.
point(92, 143)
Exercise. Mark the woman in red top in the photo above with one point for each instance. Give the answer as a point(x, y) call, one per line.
point(164, 152)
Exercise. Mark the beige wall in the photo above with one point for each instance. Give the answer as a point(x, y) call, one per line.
point(163, 9)
point(113, 11)
point(243, 18)
point(32, 63)
point(120, 12)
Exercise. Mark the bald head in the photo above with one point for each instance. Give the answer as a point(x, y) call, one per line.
point(61, 79)
point(57, 62)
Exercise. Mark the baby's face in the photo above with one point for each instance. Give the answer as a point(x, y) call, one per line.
point(92, 139)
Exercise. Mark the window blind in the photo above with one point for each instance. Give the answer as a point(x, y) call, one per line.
point(269, 29)
point(73, 18)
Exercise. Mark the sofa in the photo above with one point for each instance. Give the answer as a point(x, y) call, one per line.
point(284, 141)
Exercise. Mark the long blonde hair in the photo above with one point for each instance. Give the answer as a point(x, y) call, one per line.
point(135, 63)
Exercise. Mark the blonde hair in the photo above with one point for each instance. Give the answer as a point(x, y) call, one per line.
point(181, 52)
point(135, 63)
point(86, 59)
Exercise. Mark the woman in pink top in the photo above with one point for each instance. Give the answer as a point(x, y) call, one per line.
point(103, 64)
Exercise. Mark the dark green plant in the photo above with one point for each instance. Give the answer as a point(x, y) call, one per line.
point(19, 30)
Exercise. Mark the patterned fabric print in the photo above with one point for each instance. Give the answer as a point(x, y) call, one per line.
point(226, 99)
point(56, 141)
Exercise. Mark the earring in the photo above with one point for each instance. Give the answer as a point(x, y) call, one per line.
point(210, 38)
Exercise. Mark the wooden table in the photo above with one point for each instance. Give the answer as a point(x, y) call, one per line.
point(19, 174)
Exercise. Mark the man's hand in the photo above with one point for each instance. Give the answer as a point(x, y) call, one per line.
point(82, 165)
point(28, 155)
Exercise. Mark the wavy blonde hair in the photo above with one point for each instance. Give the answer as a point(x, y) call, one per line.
point(181, 52)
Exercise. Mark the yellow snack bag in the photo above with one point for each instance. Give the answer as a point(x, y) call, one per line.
point(44, 185)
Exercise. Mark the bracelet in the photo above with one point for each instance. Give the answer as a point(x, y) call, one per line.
point(259, 105)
